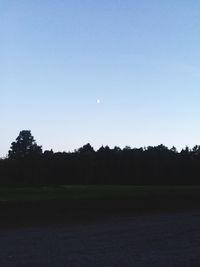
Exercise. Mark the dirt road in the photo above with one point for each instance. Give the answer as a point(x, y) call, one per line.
point(170, 239)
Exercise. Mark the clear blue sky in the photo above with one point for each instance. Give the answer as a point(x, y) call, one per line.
point(141, 59)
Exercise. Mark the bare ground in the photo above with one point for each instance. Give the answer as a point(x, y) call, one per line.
point(165, 239)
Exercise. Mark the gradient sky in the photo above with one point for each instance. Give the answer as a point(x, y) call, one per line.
point(141, 59)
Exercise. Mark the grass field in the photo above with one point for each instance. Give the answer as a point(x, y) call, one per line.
point(26, 205)
point(94, 192)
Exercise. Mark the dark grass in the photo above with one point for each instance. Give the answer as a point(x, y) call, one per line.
point(49, 204)
point(93, 192)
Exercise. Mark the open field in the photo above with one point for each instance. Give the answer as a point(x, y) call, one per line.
point(94, 192)
point(48, 204)
point(100, 226)
point(168, 239)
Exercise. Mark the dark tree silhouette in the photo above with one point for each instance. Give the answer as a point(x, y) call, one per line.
point(86, 149)
point(26, 164)
point(24, 146)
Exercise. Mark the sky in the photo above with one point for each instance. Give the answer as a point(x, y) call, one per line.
point(117, 72)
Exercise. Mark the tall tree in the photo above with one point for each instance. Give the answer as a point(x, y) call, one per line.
point(24, 146)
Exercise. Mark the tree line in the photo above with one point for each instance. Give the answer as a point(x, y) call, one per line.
point(27, 164)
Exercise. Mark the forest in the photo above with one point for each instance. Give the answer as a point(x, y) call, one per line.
point(27, 164)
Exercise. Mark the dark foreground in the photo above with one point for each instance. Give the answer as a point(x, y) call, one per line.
point(156, 239)
point(47, 205)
